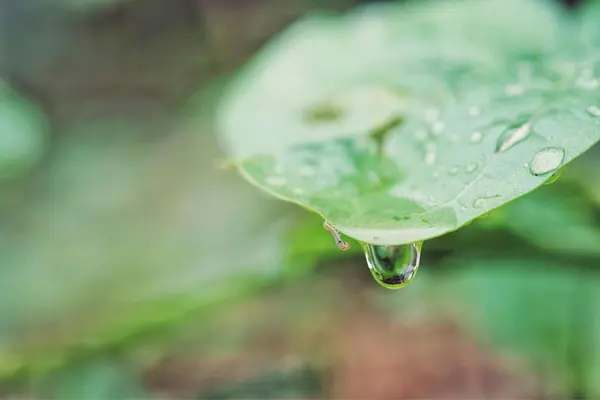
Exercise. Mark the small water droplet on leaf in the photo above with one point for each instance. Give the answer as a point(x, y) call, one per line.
point(307, 170)
point(512, 136)
point(437, 127)
point(476, 137)
point(471, 167)
point(393, 267)
point(474, 111)
point(594, 111)
point(514, 90)
point(546, 160)
point(430, 154)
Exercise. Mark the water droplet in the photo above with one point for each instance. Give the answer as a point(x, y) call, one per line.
point(476, 137)
point(512, 136)
point(453, 171)
point(276, 181)
point(474, 111)
point(437, 127)
point(307, 170)
point(431, 114)
point(546, 160)
point(341, 244)
point(479, 203)
point(420, 134)
point(393, 267)
point(588, 84)
point(430, 154)
point(594, 111)
point(471, 167)
point(587, 80)
point(514, 90)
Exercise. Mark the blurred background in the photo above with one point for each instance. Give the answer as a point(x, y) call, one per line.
point(132, 266)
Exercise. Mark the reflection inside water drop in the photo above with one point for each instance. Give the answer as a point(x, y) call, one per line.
point(393, 267)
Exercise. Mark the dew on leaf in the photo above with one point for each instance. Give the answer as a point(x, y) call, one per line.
point(437, 127)
point(476, 137)
point(453, 171)
point(431, 115)
point(594, 111)
point(307, 170)
point(276, 181)
point(587, 80)
point(393, 267)
point(341, 244)
point(471, 167)
point(546, 160)
point(421, 134)
point(474, 111)
point(430, 154)
point(514, 90)
point(512, 136)
point(480, 202)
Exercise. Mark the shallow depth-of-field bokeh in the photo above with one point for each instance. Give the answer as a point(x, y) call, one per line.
point(135, 264)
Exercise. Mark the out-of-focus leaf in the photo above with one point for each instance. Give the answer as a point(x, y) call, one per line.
point(546, 312)
point(91, 380)
point(555, 218)
point(400, 123)
point(126, 235)
point(23, 131)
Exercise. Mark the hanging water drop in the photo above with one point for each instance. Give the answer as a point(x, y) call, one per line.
point(393, 267)
point(546, 160)
point(512, 136)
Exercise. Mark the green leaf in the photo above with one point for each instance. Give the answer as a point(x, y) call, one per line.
point(554, 218)
point(399, 123)
point(23, 131)
point(544, 311)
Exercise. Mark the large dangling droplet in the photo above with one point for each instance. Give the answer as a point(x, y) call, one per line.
point(393, 267)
